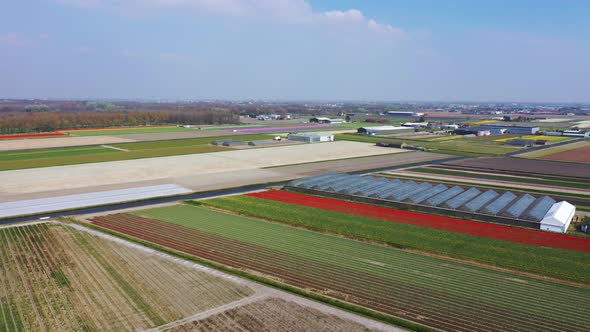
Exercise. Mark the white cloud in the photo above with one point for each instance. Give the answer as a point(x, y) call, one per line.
point(289, 11)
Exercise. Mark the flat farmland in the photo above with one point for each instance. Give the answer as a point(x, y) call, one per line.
point(30, 135)
point(58, 277)
point(58, 142)
point(272, 314)
point(122, 151)
point(125, 130)
point(575, 152)
point(495, 231)
point(521, 165)
point(55, 277)
point(555, 182)
point(467, 240)
point(441, 293)
point(460, 147)
point(197, 170)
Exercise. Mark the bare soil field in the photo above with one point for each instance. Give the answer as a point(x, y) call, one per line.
point(57, 142)
point(544, 153)
point(579, 155)
point(526, 166)
point(193, 171)
point(272, 314)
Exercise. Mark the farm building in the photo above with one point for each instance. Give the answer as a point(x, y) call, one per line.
point(449, 126)
point(471, 202)
point(472, 131)
point(311, 137)
point(262, 142)
point(415, 124)
point(524, 143)
point(522, 130)
point(326, 120)
point(559, 217)
point(397, 113)
point(576, 133)
point(383, 130)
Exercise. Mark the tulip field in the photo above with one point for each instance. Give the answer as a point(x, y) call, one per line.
point(425, 232)
point(438, 292)
point(495, 231)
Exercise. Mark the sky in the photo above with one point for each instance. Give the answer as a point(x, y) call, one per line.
point(365, 50)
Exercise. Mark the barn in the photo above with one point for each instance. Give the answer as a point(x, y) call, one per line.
point(311, 137)
point(383, 130)
point(326, 120)
point(559, 217)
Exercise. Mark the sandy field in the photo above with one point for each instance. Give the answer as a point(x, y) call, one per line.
point(42, 143)
point(198, 172)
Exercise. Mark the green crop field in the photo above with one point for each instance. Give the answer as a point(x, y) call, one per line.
point(558, 263)
point(562, 182)
point(93, 154)
point(459, 147)
point(442, 293)
point(27, 155)
point(126, 131)
point(66, 159)
point(185, 142)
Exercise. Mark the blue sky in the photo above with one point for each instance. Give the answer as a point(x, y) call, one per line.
point(424, 50)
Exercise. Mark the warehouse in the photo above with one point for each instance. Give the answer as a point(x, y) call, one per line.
point(559, 217)
point(522, 130)
point(397, 113)
point(310, 137)
point(383, 130)
point(520, 209)
point(326, 120)
point(576, 133)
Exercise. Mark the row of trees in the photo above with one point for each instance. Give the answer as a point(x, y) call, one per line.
point(18, 122)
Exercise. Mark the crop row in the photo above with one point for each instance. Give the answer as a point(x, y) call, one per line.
point(490, 230)
point(17, 136)
point(355, 283)
point(57, 278)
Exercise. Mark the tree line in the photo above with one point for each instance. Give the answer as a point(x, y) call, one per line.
point(29, 122)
